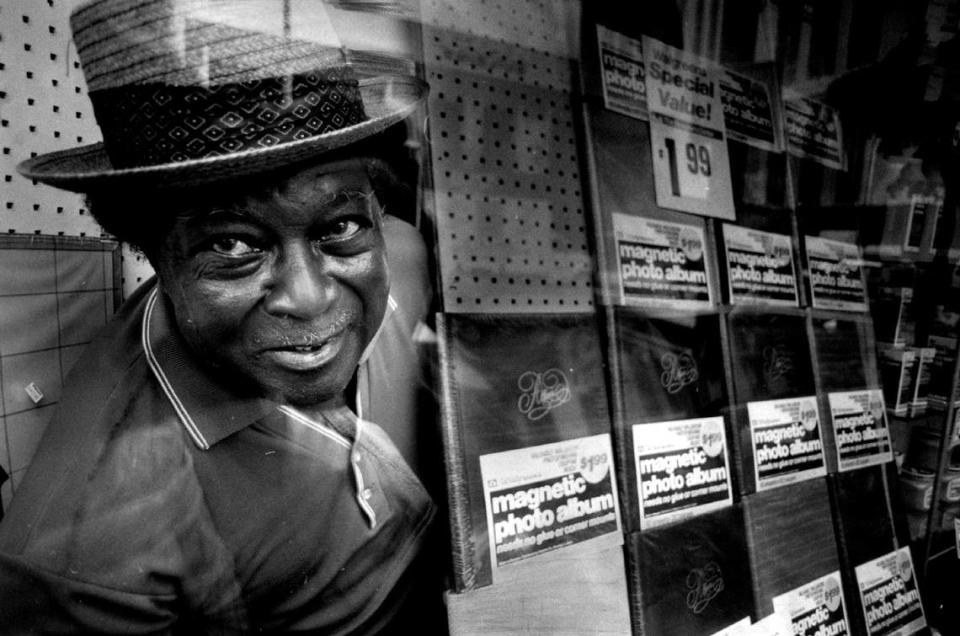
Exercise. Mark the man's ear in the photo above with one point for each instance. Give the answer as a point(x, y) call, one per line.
point(407, 262)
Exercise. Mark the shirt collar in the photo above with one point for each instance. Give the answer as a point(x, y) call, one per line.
point(208, 409)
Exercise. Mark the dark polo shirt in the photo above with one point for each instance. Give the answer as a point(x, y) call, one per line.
point(161, 501)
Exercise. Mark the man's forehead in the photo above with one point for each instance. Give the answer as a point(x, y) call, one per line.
point(317, 182)
point(331, 176)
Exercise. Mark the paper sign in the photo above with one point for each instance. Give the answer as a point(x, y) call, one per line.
point(551, 496)
point(748, 111)
point(786, 441)
point(621, 64)
point(890, 596)
point(740, 628)
point(817, 608)
point(813, 131)
point(687, 134)
point(661, 263)
point(776, 624)
point(682, 469)
point(836, 274)
point(860, 428)
point(759, 267)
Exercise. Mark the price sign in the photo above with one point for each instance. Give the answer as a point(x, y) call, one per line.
point(687, 136)
point(689, 175)
point(691, 171)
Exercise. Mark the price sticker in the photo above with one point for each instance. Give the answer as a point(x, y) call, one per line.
point(691, 169)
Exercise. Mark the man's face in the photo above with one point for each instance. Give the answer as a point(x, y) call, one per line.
point(281, 290)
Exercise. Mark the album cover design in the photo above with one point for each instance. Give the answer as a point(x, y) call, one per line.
point(845, 360)
point(691, 577)
point(771, 356)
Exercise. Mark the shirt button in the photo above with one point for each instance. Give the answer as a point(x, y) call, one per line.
point(367, 493)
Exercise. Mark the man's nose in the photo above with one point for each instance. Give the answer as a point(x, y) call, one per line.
point(300, 285)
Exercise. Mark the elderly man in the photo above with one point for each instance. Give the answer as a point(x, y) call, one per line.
point(206, 471)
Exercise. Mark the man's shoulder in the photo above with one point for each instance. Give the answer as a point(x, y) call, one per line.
point(108, 415)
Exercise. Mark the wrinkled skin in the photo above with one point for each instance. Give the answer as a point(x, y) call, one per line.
point(281, 288)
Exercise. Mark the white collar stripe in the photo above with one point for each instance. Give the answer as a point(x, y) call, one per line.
point(178, 406)
point(361, 493)
point(323, 430)
point(354, 459)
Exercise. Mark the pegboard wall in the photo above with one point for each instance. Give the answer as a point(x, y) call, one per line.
point(44, 107)
point(511, 226)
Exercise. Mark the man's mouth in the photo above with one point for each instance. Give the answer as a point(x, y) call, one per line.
point(306, 357)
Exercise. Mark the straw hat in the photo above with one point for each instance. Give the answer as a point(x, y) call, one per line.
point(188, 92)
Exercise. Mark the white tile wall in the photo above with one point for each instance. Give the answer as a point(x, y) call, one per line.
point(55, 294)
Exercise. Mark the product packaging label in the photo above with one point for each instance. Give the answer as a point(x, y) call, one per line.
point(661, 263)
point(787, 447)
point(748, 111)
point(817, 608)
point(776, 624)
point(956, 534)
point(682, 469)
point(836, 275)
point(860, 428)
point(890, 596)
point(691, 167)
point(759, 267)
point(624, 84)
point(924, 209)
point(740, 628)
point(551, 496)
point(813, 131)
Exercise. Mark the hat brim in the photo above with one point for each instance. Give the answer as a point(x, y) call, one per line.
point(387, 101)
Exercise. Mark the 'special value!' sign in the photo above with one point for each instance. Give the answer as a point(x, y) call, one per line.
point(687, 132)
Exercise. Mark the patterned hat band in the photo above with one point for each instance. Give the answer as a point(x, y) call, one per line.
point(153, 124)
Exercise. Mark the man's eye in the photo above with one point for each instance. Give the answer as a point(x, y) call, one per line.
point(232, 246)
point(340, 229)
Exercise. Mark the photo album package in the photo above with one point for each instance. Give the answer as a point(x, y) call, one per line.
point(527, 443)
point(691, 577)
point(777, 423)
point(669, 394)
point(791, 540)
